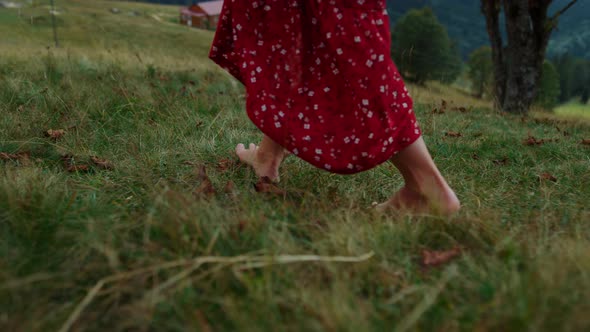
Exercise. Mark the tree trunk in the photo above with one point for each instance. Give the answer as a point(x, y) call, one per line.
point(524, 59)
point(491, 10)
point(518, 66)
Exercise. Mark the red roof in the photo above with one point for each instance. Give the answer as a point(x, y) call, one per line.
point(188, 12)
point(211, 8)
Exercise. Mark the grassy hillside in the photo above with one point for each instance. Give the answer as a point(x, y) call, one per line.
point(141, 239)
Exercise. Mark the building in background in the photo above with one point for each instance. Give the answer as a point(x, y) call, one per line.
point(203, 15)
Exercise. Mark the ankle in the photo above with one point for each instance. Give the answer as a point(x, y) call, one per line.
point(265, 157)
point(425, 183)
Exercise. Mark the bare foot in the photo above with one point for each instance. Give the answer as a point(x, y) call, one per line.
point(264, 165)
point(442, 201)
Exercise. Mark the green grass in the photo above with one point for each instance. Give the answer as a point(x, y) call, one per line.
point(574, 110)
point(526, 241)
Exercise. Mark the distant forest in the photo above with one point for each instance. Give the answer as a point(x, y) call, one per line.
point(466, 25)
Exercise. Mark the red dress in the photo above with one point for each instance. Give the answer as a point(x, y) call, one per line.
point(319, 78)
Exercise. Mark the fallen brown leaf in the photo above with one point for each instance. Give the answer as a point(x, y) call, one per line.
point(460, 109)
point(102, 163)
point(225, 164)
point(435, 258)
point(438, 111)
point(501, 162)
point(71, 166)
point(206, 187)
point(453, 134)
point(21, 157)
point(55, 133)
point(585, 142)
point(82, 168)
point(230, 188)
point(202, 321)
point(531, 140)
point(242, 225)
point(548, 177)
point(265, 185)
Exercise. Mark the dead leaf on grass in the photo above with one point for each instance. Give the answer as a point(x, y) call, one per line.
point(230, 187)
point(531, 140)
point(55, 133)
point(24, 158)
point(202, 321)
point(14, 156)
point(437, 110)
point(585, 142)
point(71, 166)
point(265, 185)
point(206, 187)
point(82, 168)
point(547, 177)
point(432, 258)
point(453, 134)
point(225, 164)
point(242, 224)
point(102, 163)
point(501, 162)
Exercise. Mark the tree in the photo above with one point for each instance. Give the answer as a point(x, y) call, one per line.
point(549, 87)
point(422, 48)
point(574, 76)
point(480, 70)
point(564, 64)
point(518, 64)
point(581, 78)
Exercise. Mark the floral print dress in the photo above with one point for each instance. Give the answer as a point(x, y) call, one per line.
point(319, 78)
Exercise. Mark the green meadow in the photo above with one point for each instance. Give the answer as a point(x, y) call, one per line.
point(132, 213)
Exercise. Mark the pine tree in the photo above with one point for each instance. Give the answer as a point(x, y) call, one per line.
point(422, 48)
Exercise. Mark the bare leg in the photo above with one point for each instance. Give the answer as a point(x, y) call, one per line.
point(425, 188)
point(265, 159)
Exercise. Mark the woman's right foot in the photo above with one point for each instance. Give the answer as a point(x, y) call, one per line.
point(264, 164)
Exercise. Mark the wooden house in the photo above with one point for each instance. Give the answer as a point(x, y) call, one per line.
point(203, 15)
